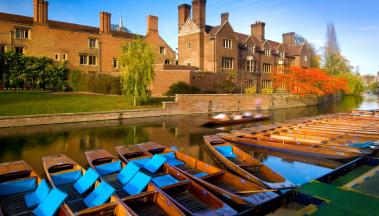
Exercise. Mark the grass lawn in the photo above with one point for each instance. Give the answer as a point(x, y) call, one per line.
point(32, 103)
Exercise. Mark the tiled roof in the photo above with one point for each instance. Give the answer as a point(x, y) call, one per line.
point(16, 18)
point(212, 30)
point(292, 49)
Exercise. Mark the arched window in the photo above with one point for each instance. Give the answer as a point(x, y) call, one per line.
point(167, 61)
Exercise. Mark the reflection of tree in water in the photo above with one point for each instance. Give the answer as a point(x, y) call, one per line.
point(135, 135)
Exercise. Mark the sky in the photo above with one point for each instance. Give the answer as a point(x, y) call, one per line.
point(356, 22)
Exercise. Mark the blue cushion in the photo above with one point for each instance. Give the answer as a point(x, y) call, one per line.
point(128, 172)
point(174, 162)
point(109, 168)
point(199, 175)
point(66, 177)
point(51, 203)
point(137, 184)
point(100, 195)
point(164, 180)
point(154, 163)
point(226, 151)
point(361, 144)
point(170, 155)
point(17, 186)
point(142, 161)
point(86, 181)
point(34, 198)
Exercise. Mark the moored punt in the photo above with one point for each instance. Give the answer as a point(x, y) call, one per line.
point(222, 183)
point(189, 196)
point(86, 195)
point(215, 122)
point(244, 165)
point(298, 149)
point(150, 201)
point(23, 192)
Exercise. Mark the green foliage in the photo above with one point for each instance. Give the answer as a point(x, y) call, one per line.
point(181, 88)
point(251, 90)
point(268, 90)
point(229, 83)
point(354, 82)
point(138, 73)
point(28, 72)
point(94, 82)
point(373, 87)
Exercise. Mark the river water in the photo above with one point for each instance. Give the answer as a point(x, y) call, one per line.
point(183, 132)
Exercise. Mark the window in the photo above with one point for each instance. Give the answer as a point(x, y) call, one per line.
point(227, 63)
point(227, 43)
point(306, 58)
point(83, 59)
point(266, 68)
point(92, 42)
point(92, 60)
point(162, 50)
point(189, 45)
point(167, 61)
point(267, 52)
point(282, 55)
point(19, 50)
point(250, 65)
point(115, 63)
point(57, 57)
point(251, 49)
point(64, 57)
point(189, 64)
point(22, 33)
point(266, 84)
point(2, 48)
point(251, 83)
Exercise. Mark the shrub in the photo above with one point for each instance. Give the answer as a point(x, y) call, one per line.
point(181, 88)
point(251, 90)
point(268, 90)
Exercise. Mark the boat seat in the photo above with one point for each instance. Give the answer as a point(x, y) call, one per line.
point(85, 182)
point(109, 168)
point(226, 151)
point(165, 180)
point(154, 163)
point(18, 186)
point(171, 159)
point(100, 195)
point(36, 197)
point(137, 184)
point(51, 203)
point(141, 161)
point(128, 172)
point(66, 177)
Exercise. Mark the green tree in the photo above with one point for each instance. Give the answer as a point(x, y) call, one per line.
point(355, 83)
point(229, 83)
point(138, 73)
point(181, 88)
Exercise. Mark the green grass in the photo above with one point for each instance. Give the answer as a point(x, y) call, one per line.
point(32, 103)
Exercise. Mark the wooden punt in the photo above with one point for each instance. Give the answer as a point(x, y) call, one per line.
point(216, 122)
point(13, 202)
point(245, 165)
point(189, 196)
point(220, 182)
point(310, 151)
point(150, 202)
point(60, 164)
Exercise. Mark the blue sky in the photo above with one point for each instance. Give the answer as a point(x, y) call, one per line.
point(357, 22)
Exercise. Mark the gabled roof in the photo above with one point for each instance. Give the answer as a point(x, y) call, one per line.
point(212, 30)
point(293, 49)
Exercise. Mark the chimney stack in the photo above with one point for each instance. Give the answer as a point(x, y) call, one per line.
point(199, 13)
point(105, 22)
point(224, 17)
point(184, 13)
point(40, 11)
point(289, 38)
point(258, 30)
point(152, 24)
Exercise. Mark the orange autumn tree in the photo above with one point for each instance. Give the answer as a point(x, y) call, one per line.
point(308, 81)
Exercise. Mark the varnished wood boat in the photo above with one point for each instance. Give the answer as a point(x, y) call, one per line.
point(216, 122)
point(189, 196)
point(150, 202)
point(222, 183)
point(17, 179)
point(55, 167)
point(301, 150)
point(244, 165)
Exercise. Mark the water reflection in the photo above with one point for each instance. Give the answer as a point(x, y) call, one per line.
point(181, 132)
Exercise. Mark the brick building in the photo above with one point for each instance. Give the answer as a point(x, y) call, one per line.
point(219, 49)
point(87, 48)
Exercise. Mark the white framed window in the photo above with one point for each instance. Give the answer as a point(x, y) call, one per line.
point(250, 65)
point(19, 50)
point(227, 63)
point(282, 55)
point(189, 45)
point(57, 57)
point(22, 33)
point(162, 50)
point(267, 52)
point(92, 42)
point(92, 60)
point(115, 63)
point(83, 59)
point(266, 68)
point(227, 43)
point(306, 58)
point(251, 49)
point(266, 84)
point(64, 57)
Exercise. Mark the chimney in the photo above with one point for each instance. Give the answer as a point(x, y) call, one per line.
point(105, 22)
point(198, 13)
point(224, 17)
point(40, 11)
point(289, 38)
point(152, 24)
point(258, 30)
point(184, 13)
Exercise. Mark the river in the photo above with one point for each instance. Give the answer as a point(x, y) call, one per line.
point(182, 132)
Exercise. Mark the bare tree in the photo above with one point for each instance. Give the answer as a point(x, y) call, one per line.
point(331, 45)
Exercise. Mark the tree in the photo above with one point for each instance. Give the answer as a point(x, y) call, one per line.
point(138, 73)
point(315, 58)
point(181, 88)
point(332, 45)
point(229, 83)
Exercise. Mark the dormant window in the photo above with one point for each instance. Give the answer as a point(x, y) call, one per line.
point(267, 52)
point(266, 68)
point(19, 50)
point(115, 63)
point(250, 65)
point(282, 55)
point(162, 50)
point(92, 60)
point(227, 63)
point(22, 33)
point(92, 42)
point(227, 43)
point(64, 57)
point(266, 84)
